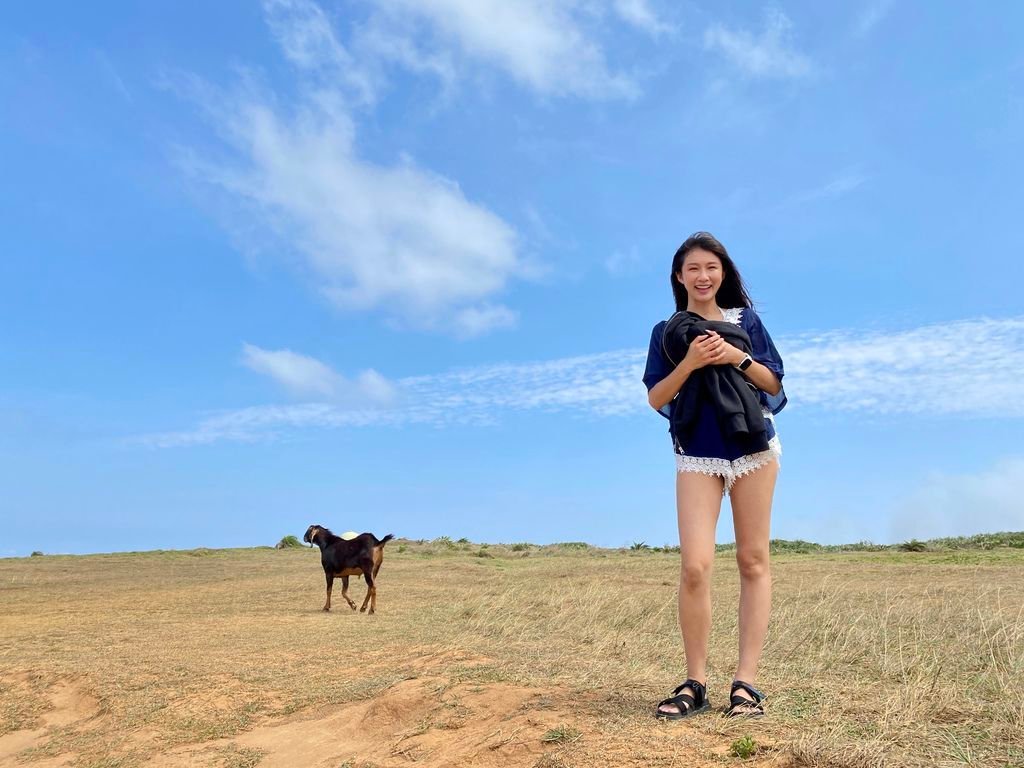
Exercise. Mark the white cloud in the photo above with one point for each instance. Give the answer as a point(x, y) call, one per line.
point(623, 262)
point(476, 321)
point(964, 504)
point(306, 376)
point(605, 384)
point(968, 368)
point(640, 15)
point(299, 374)
point(394, 238)
point(872, 13)
point(539, 43)
point(766, 55)
point(937, 371)
point(399, 238)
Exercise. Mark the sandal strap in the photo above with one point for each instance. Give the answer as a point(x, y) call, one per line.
point(700, 692)
point(737, 684)
point(681, 700)
point(686, 700)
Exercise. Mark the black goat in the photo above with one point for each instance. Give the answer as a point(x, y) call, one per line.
point(360, 556)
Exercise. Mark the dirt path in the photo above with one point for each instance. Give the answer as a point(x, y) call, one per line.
point(427, 721)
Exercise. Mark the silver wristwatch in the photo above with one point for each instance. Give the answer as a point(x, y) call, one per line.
point(745, 362)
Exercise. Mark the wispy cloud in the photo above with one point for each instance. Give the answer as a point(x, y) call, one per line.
point(765, 55)
point(603, 384)
point(640, 14)
point(869, 17)
point(308, 40)
point(845, 182)
point(112, 75)
point(937, 370)
point(951, 504)
point(967, 368)
point(542, 45)
point(399, 238)
point(306, 376)
point(623, 262)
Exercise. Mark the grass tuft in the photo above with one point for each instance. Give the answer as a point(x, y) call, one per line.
point(743, 747)
point(562, 734)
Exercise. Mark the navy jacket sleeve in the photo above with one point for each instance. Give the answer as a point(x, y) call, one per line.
point(763, 350)
point(657, 366)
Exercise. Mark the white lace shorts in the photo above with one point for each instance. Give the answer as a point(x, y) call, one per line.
point(730, 471)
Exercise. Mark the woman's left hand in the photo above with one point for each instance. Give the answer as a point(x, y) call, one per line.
point(732, 355)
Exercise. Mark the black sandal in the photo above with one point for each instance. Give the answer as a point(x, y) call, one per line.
point(688, 705)
point(741, 707)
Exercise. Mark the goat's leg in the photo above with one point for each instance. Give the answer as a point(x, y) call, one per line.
point(344, 592)
point(371, 590)
point(330, 584)
point(378, 558)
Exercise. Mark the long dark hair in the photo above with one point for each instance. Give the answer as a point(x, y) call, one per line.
point(732, 292)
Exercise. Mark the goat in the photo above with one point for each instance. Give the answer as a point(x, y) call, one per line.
point(360, 556)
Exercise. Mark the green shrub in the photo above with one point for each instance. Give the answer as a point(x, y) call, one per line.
point(289, 542)
point(913, 546)
point(745, 747)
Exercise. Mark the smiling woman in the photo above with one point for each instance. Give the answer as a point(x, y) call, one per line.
point(714, 372)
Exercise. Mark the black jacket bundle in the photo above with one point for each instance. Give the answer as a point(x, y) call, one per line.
point(734, 399)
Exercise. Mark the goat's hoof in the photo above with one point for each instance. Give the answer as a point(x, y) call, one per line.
point(327, 610)
point(362, 610)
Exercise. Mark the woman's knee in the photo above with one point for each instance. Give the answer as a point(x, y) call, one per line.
point(752, 562)
point(696, 573)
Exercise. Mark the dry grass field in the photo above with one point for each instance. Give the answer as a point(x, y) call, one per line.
point(501, 656)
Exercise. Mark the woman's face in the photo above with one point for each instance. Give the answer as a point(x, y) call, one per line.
point(701, 274)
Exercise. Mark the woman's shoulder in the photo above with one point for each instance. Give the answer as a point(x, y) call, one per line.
point(746, 316)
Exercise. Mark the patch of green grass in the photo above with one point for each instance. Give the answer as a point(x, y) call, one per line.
point(743, 748)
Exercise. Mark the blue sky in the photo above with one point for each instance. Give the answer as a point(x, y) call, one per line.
point(392, 265)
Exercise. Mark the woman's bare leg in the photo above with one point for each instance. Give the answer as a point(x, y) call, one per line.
point(751, 513)
point(698, 504)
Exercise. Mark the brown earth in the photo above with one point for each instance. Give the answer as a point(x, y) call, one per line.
point(500, 656)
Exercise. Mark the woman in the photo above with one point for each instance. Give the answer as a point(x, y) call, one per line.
point(704, 365)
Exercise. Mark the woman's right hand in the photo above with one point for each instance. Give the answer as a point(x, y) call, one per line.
point(705, 350)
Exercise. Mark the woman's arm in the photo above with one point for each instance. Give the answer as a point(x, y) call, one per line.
point(761, 376)
point(662, 393)
point(704, 350)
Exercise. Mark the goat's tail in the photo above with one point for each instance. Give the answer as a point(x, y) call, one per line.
point(385, 540)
